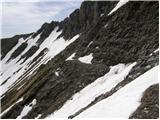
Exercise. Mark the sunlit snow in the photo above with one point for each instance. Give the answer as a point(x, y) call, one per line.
point(102, 85)
point(86, 59)
point(26, 109)
point(71, 57)
point(125, 101)
point(9, 70)
point(120, 4)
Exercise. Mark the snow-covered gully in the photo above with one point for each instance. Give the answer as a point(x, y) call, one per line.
point(123, 97)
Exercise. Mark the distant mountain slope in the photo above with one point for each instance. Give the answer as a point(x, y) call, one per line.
point(67, 68)
point(9, 43)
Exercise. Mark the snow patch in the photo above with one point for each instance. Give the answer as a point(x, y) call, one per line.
point(102, 85)
point(120, 4)
point(6, 58)
point(7, 70)
point(26, 109)
point(71, 57)
point(86, 59)
point(126, 100)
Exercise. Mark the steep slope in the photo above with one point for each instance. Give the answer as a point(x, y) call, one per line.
point(124, 97)
point(100, 86)
point(9, 43)
point(57, 67)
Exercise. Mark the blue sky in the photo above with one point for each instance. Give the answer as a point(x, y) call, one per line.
point(26, 16)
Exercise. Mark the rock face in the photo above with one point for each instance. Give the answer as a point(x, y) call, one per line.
point(149, 107)
point(9, 43)
point(128, 35)
point(84, 18)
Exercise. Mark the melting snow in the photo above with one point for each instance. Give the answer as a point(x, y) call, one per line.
point(57, 45)
point(9, 71)
point(71, 57)
point(125, 101)
point(26, 109)
point(20, 41)
point(86, 59)
point(120, 4)
point(102, 85)
point(54, 45)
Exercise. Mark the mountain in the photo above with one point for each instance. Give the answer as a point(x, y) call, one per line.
point(101, 61)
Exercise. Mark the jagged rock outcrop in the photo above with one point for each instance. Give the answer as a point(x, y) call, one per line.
point(84, 18)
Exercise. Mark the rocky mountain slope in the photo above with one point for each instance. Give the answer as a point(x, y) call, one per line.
point(88, 65)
